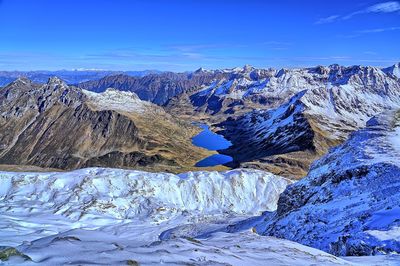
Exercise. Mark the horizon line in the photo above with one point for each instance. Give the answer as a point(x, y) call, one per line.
point(199, 68)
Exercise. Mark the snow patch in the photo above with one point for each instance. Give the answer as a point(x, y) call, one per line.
point(116, 100)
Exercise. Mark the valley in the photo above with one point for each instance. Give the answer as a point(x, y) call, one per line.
point(251, 165)
point(115, 216)
point(278, 120)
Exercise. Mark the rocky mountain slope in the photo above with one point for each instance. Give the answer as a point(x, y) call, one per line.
point(59, 126)
point(240, 90)
point(156, 88)
point(348, 204)
point(111, 216)
point(283, 120)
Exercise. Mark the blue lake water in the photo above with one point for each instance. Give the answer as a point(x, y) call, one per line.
point(211, 141)
point(213, 160)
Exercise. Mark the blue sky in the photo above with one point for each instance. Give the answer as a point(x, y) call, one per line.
point(183, 35)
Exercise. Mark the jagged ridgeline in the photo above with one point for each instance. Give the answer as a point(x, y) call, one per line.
point(282, 120)
point(157, 88)
point(59, 126)
point(277, 120)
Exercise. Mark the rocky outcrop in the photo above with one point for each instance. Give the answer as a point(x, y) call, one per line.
point(348, 204)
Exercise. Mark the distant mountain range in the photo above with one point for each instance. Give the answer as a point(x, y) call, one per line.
point(69, 76)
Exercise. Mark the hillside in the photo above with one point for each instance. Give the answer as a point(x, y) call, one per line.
point(156, 88)
point(59, 126)
point(348, 204)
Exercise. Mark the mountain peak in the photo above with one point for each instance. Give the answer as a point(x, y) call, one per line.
point(200, 70)
point(56, 81)
point(280, 72)
point(393, 70)
point(247, 68)
point(22, 80)
point(334, 66)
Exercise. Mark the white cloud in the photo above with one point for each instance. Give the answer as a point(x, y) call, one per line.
point(327, 19)
point(369, 31)
point(385, 7)
point(378, 30)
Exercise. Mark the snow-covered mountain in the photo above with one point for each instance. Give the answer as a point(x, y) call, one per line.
point(278, 120)
point(327, 104)
point(349, 203)
point(248, 87)
point(122, 101)
point(157, 88)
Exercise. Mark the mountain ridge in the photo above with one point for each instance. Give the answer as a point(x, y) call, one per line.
point(257, 109)
point(59, 126)
point(347, 204)
point(324, 113)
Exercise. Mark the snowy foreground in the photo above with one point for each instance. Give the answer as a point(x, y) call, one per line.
point(120, 217)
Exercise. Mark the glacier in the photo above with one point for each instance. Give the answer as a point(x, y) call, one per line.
point(107, 216)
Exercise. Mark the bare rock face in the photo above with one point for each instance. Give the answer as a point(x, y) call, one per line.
point(59, 126)
point(267, 133)
point(348, 204)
